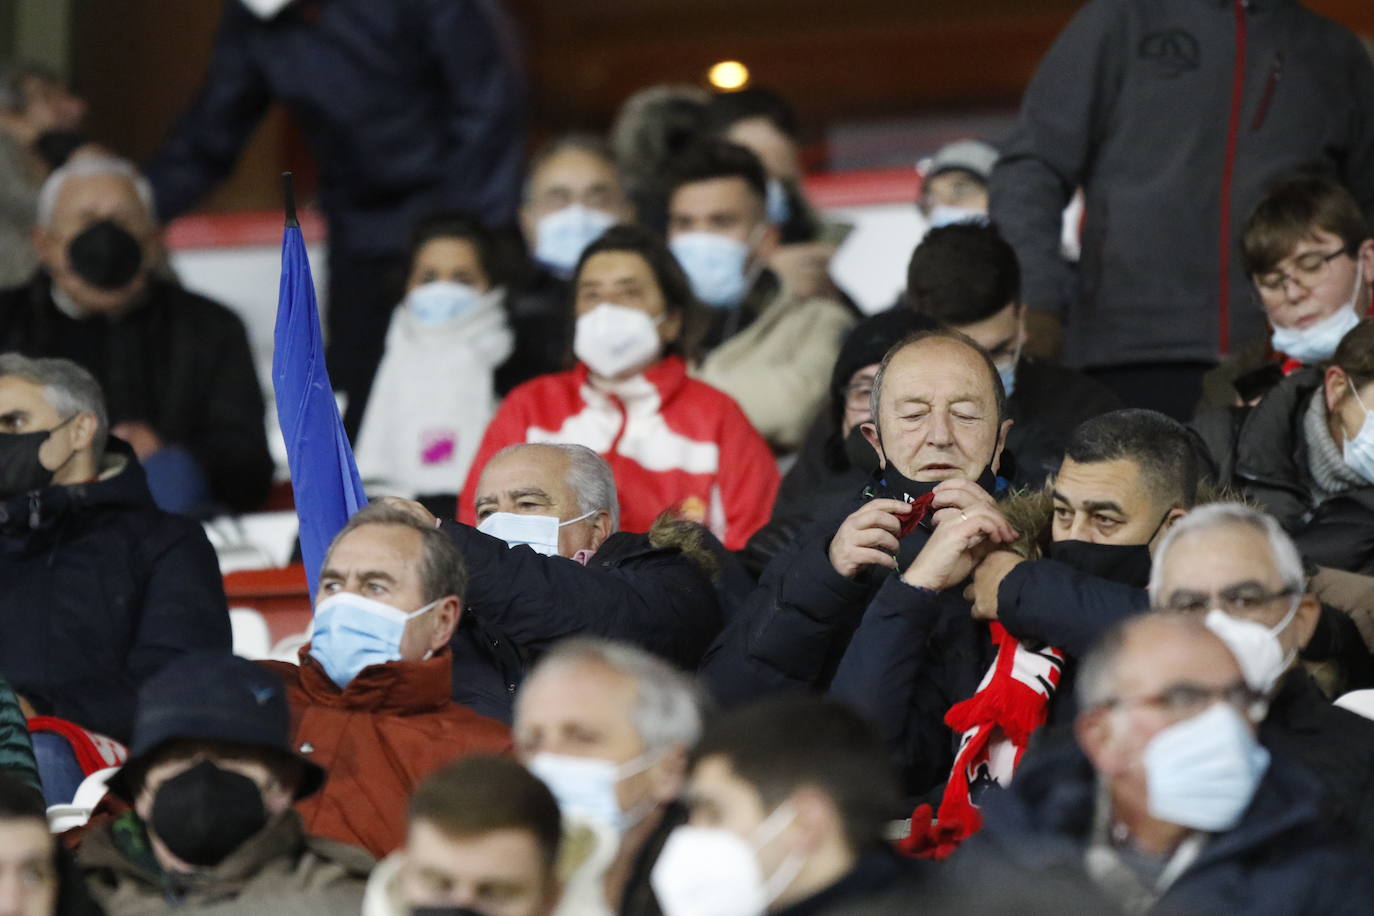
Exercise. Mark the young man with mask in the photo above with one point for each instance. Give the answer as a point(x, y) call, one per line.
point(371, 698)
point(176, 369)
point(966, 276)
point(483, 839)
point(1309, 254)
point(124, 587)
point(1305, 454)
point(954, 184)
point(1167, 803)
point(1234, 566)
point(765, 346)
point(211, 779)
point(789, 800)
point(608, 728)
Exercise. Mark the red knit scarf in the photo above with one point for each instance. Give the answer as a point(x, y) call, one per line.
point(996, 725)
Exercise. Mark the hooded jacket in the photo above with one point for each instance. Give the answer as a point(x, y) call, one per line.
point(673, 443)
point(1278, 860)
point(378, 738)
point(176, 361)
point(1262, 451)
point(1173, 116)
point(279, 871)
point(101, 589)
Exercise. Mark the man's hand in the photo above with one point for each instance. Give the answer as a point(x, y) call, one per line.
point(803, 269)
point(140, 437)
point(423, 515)
point(987, 579)
point(868, 537)
point(25, 706)
point(960, 541)
point(956, 496)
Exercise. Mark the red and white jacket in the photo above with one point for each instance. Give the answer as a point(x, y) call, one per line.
point(672, 442)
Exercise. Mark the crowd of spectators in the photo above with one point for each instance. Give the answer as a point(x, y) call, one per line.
point(687, 588)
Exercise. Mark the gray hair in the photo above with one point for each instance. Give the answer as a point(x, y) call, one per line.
point(442, 571)
point(589, 477)
point(88, 167)
point(669, 706)
point(1221, 515)
point(69, 388)
point(1096, 680)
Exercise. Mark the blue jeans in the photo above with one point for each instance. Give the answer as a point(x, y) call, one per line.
point(57, 767)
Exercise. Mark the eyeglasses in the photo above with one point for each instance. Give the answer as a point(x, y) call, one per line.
point(1246, 600)
point(857, 395)
point(1308, 270)
point(1186, 699)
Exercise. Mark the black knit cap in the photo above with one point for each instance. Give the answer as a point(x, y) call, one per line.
point(211, 696)
point(869, 342)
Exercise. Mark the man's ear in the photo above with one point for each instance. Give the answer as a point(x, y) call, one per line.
point(1305, 620)
point(447, 616)
point(818, 819)
point(870, 432)
point(769, 239)
point(602, 529)
point(1334, 384)
point(668, 775)
point(1093, 731)
point(1001, 444)
point(83, 428)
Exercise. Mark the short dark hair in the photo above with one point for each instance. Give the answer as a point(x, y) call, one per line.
point(963, 273)
point(727, 109)
point(1291, 212)
point(672, 282)
point(467, 228)
point(481, 794)
point(784, 743)
point(716, 158)
point(19, 800)
point(442, 571)
point(1355, 353)
point(1159, 445)
point(998, 389)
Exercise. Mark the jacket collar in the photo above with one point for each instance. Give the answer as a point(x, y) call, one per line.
point(393, 688)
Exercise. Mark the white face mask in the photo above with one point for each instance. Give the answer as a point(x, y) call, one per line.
point(1202, 772)
point(1359, 451)
point(948, 215)
point(585, 787)
point(537, 532)
point(711, 871)
point(266, 9)
point(562, 236)
point(715, 265)
point(614, 339)
point(441, 301)
point(1319, 340)
point(1256, 647)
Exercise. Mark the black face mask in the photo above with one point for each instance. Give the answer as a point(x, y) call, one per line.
point(861, 455)
point(20, 469)
point(1128, 564)
point(105, 255)
point(205, 813)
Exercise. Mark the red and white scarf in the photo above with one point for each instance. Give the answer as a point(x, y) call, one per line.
point(995, 724)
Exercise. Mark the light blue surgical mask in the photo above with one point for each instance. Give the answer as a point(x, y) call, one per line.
point(715, 266)
point(1318, 341)
point(352, 631)
point(1203, 771)
point(537, 532)
point(948, 215)
point(779, 207)
point(440, 301)
point(585, 787)
point(1359, 451)
point(562, 236)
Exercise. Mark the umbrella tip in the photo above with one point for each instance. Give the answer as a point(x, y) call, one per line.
point(288, 192)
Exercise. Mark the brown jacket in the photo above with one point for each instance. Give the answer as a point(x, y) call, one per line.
point(278, 872)
point(394, 725)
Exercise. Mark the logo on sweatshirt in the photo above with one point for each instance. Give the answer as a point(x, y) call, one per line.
point(1171, 52)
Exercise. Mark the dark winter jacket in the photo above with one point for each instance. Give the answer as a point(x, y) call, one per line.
point(16, 747)
point(657, 597)
point(101, 589)
point(1280, 859)
point(1262, 451)
point(410, 107)
point(1134, 103)
point(176, 361)
point(881, 881)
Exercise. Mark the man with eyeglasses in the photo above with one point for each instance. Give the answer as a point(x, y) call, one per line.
point(1308, 251)
point(1235, 568)
point(1166, 803)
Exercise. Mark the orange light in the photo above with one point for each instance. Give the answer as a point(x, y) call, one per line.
point(728, 75)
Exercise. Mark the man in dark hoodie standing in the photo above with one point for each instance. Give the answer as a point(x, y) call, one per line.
point(101, 588)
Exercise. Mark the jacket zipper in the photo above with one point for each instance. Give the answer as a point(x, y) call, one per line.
point(1227, 176)
point(1270, 84)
